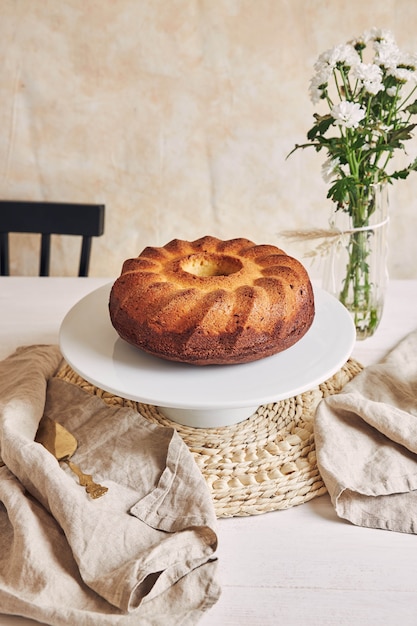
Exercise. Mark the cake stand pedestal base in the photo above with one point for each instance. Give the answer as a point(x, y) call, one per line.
point(208, 418)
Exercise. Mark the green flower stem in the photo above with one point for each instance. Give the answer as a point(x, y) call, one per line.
point(406, 99)
point(357, 289)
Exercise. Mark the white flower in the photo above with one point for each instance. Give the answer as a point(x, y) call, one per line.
point(327, 61)
point(405, 70)
point(348, 114)
point(346, 54)
point(370, 76)
point(329, 169)
point(316, 88)
point(410, 62)
point(387, 54)
point(379, 35)
point(322, 76)
point(401, 74)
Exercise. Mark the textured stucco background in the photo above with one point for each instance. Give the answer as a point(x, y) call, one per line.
point(178, 115)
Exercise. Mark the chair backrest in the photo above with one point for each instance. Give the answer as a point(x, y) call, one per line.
point(50, 218)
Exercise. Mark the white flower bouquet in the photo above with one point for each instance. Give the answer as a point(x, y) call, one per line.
point(368, 86)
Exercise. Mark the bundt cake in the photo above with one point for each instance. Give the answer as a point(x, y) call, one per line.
point(211, 301)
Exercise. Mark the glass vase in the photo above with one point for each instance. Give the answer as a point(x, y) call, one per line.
point(356, 267)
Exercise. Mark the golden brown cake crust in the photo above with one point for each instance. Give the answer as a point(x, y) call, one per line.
point(211, 301)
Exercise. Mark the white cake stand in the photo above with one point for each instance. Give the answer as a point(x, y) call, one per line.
point(203, 396)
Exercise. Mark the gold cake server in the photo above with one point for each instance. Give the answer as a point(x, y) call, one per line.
point(62, 444)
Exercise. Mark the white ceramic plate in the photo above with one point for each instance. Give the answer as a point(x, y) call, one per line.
point(203, 396)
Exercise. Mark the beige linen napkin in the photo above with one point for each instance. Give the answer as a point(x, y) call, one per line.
point(366, 443)
point(141, 554)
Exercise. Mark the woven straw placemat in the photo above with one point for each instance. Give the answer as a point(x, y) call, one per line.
point(265, 463)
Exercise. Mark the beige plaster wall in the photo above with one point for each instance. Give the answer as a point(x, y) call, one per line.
point(178, 115)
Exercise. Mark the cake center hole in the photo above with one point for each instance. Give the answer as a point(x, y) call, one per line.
point(205, 265)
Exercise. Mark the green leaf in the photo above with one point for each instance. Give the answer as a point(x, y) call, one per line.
point(412, 108)
point(340, 190)
point(322, 126)
point(402, 174)
point(397, 136)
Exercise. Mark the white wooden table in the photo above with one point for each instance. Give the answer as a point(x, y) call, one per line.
point(286, 568)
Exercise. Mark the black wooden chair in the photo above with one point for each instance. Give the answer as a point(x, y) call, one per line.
point(47, 218)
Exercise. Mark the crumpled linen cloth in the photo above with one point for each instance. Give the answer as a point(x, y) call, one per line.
point(366, 443)
point(144, 553)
